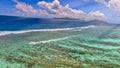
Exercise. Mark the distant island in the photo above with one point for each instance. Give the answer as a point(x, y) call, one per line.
point(98, 21)
point(68, 18)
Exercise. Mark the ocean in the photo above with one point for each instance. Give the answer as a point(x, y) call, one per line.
point(57, 43)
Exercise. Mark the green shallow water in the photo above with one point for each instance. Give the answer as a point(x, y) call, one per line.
point(90, 48)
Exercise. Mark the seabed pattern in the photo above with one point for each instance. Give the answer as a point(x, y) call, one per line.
point(90, 48)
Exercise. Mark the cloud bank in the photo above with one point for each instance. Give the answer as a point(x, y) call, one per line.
point(115, 5)
point(28, 9)
point(112, 4)
point(55, 9)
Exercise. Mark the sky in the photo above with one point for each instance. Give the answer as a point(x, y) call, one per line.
point(105, 10)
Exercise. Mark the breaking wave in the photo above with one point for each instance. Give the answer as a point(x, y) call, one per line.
point(51, 40)
point(2, 33)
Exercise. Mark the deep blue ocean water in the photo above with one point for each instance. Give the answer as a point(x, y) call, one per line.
point(9, 23)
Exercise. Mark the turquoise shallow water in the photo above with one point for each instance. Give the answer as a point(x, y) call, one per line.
point(97, 47)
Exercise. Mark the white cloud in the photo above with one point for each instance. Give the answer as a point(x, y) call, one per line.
point(115, 5)
point(95, 16)
point(58, 10)
point(54, 9)
point(112, 4)
point(25, 8)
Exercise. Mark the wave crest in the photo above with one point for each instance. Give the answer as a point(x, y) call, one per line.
point(51, 40)
point(2, 33)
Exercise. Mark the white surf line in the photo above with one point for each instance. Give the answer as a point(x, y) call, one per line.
point(52, 40)
point(84, 27)
point(3, 33)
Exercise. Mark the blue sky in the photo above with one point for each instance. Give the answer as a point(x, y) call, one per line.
point(8, 7)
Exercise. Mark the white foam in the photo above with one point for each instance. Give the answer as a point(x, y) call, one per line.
point(86, 27)
point(51, 40)
point(2, 33)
